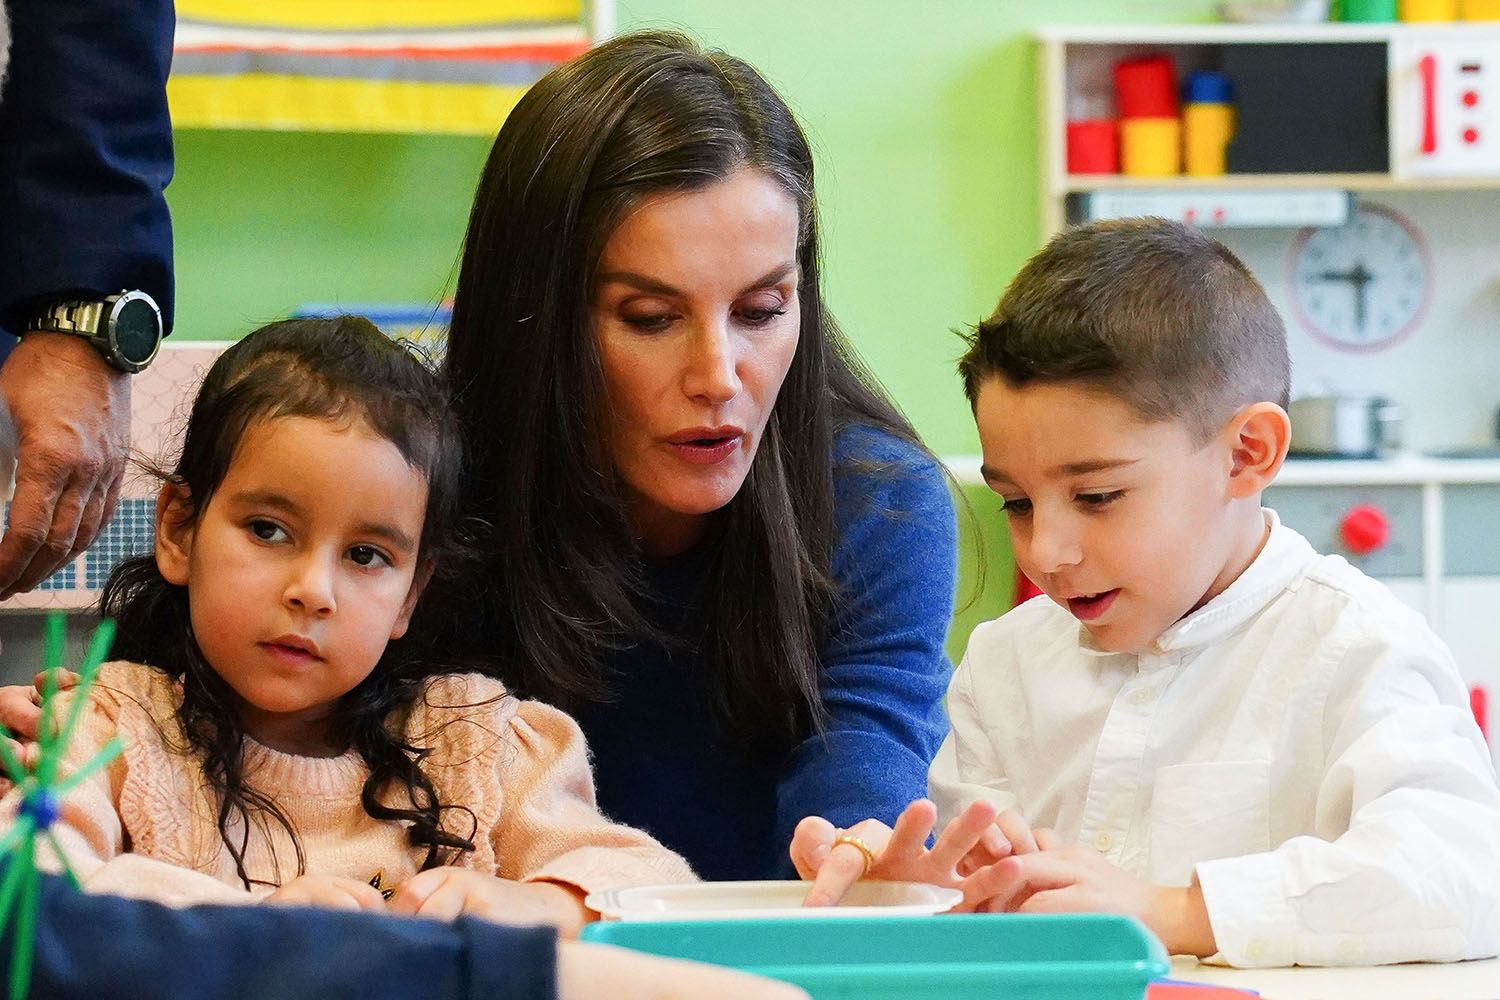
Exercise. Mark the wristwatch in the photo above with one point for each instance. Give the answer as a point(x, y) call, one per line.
point(125, 328)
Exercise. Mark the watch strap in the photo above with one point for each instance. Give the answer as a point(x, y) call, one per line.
point(82, 316)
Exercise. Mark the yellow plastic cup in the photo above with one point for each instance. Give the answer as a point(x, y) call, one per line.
point(1150, 147)
point(1206, 131)
point(1429, 10)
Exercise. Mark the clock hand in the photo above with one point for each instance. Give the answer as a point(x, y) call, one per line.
point(1361, 277)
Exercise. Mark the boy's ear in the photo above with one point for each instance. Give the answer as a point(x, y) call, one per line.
point(419, 583)
point(174, 532)
point(1259, 436)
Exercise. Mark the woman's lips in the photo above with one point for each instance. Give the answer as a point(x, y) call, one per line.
point(706, 451)
point(1091, 607)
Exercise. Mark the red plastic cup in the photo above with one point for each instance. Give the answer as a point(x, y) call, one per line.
point(1145, 87)
point(1094, 146)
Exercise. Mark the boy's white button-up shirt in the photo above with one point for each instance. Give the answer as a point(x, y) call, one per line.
point(1303, 742)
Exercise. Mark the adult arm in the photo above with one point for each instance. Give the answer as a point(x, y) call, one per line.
point(85, 154)
point(884, 666)
point(1415, 877)
point(105, 948)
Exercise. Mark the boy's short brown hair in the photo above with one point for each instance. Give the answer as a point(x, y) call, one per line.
point(1151, 311)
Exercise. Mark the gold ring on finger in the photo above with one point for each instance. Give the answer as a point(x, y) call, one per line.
point(861, 846)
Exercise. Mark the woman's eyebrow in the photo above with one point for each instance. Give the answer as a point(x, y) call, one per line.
point(639, 281)
point(772, 277)
point(656, 287)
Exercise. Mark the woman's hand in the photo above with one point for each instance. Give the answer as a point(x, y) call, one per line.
point(971, 842)
point(604, 972)
point(333, 892)
point(444, 893)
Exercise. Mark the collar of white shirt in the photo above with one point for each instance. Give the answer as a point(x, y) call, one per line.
point(1283, 558)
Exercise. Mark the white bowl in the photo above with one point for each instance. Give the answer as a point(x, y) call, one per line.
point(763, 900)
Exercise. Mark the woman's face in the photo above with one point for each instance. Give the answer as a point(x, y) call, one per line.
point(697, 316)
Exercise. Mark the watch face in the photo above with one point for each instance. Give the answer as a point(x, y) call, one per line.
point(137, 330)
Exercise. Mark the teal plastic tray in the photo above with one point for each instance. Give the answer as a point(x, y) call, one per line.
point(958, 957)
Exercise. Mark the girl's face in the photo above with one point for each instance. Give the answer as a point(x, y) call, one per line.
point(697, 316)
point(300, 569)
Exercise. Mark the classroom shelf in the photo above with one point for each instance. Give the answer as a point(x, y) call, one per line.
point(1392, 69)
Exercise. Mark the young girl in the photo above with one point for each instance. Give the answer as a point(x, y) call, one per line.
point(286, 739)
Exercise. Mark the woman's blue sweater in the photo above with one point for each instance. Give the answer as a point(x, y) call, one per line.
point(660, 766)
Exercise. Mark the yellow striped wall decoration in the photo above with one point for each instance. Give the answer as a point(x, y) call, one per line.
point(448, 66)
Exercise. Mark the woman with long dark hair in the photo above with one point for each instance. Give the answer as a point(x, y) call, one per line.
point(716, 542)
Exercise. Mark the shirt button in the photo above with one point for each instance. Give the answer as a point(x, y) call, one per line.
point(1256, 951)
point(1103, 841)
point(1141, 696)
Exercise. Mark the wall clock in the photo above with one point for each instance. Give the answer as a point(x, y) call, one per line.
point(1364, 285)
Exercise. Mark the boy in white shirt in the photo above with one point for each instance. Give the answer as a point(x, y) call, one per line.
point(1255, 749)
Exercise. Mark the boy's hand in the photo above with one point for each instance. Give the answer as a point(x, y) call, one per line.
point(975, 839)
point(445, 893)
point(1080, 880)
point(330, 891)
point(1011, 834)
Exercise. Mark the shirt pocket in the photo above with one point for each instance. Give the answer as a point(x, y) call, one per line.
point(1199, 812)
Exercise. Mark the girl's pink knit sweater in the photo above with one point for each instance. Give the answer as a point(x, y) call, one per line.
point(146, 825)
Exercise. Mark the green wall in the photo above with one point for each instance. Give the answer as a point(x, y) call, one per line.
point(923, 116)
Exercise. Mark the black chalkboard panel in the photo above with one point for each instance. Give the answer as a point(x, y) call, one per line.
point(1308, 107)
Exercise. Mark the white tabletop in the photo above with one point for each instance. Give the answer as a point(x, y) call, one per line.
point(1459, 981)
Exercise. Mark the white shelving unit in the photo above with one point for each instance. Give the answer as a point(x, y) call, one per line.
point(1073, 55)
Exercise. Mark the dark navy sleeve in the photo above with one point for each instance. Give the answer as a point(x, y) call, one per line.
point(85, 152)
point(108, 948)
point(884, 666)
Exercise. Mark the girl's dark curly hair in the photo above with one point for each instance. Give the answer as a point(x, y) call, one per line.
point(336, 369)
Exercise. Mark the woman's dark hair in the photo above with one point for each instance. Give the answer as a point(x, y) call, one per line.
point(335, 369)
point(640, 116)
